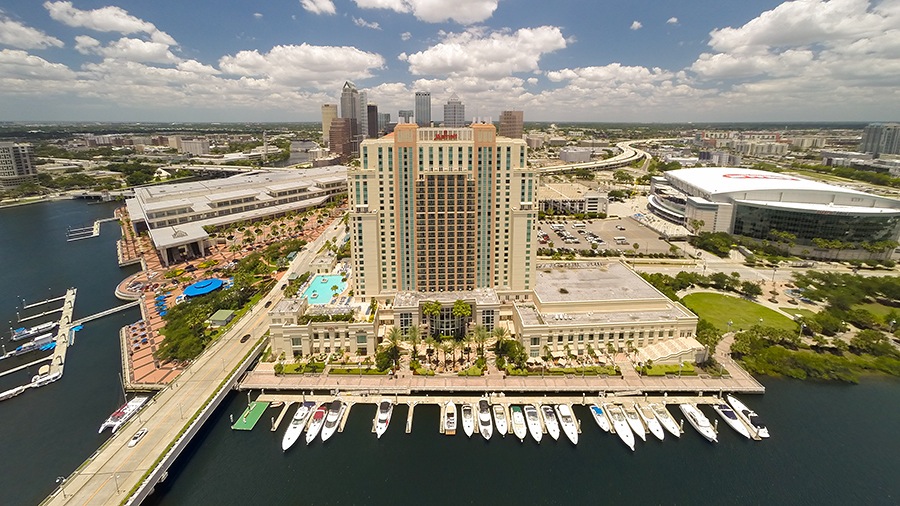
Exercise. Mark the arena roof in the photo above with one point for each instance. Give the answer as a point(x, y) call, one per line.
point(719, 180)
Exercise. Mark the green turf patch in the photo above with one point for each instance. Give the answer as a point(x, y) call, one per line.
point(806, 313)
point(250, 416)
point(720, 309)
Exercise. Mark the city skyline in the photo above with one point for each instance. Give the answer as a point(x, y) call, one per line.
point(646, 61)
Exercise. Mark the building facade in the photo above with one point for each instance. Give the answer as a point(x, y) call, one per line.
point(363, 119)
point(329, 112)
point(372, 121)
point(16, 165)
point(349, 101)
point(406, 115)
point(436, 209)
point(196, 147)
point(881, 138)
point(341, 135)
point(423, 108)
point(454, 112)
point(512, 124)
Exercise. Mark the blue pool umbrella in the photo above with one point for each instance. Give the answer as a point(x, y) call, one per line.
point(161, 297)
point(203, 287)
point(163, 313)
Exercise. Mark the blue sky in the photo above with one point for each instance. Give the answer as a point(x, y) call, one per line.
point(279, 60)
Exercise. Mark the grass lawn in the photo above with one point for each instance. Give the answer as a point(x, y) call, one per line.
point(806, 313)
point(720, 309)
point(879, 310)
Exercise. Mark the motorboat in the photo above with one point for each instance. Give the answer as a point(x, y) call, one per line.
point(534, 422)
point(449, 419)
point(567, 421)
point(316, 423)
point(748, 416)
point(123, 414)
point(726, 413)
point(550, 421)
point(650, 420)
point(333, 419)
point(699, 421)
point(468, 419)
point(39, 380)
point(485, 423)
point(136, 438)
point(634, 421)
point(600, 417)
point(298, 423)
point(500, 419)
point(665, 419)
point(520, 428)
point(24, 333)
point(385, 408)
point(619, 424)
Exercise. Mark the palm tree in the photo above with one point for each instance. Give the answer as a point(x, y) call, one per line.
point(462, 311)
point(610, 349)
point(469, 339)
point(394, 338)
point(412, 335)
point(432, 309)
point(430, 342)
point(481, 335)
point(500, 334)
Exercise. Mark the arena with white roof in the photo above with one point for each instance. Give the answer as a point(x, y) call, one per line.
point(754, 203)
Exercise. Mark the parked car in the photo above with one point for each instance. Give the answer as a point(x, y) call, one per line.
point(245, 338)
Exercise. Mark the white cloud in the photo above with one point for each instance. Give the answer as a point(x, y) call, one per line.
point(106, 19)
point(405, 36)
point(257, 15)
point(15, 34)
point(672, 21)
point(86, 45)
point(319, 66)
point(636, 25)
point(197, 68)
point(16, 64)
point(319, 6)
point(362, 23)
point(495, 54)
point(126, 48)
point(464, 12)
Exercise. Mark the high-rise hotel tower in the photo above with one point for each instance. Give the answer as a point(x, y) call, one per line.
point(441, 209)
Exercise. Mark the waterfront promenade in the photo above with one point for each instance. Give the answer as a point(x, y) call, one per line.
point(114, 471)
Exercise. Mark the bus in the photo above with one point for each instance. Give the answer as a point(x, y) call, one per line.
point(578, 224)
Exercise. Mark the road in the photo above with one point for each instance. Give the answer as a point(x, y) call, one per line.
point(115, 469)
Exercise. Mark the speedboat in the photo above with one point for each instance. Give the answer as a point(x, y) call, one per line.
point(123, 414)
point(634, 421)
point(600, 417)
point(485, 423)
point(468, 419)
point(534, 422)
point(619, 424)
point(315, 424)
point(567, 421)
point(333, 419)
point(520, 429)
point(385, 408)
point(650, 420)
point(24, 333)
point(500, 419)
point(726, 413)
point(298, 423)
point(550, 421)
point(449, 419)
point(699, 421)
point(668, 423)
point(749, 416)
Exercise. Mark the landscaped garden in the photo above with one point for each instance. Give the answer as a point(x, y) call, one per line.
point(720, 309)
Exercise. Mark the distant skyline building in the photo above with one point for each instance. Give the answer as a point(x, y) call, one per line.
point(512, 124)
point(454, 112)
point(16, 165)
point(406, 115)
point(349, 101)
point(341, 135)
point(383, 119)
point(423, 108)
point(881, 139)
point(329, 112)
point(372, 121)
point(363, 118)
point(196, 147)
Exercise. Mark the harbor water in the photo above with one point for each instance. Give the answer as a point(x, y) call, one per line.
point(830, 444)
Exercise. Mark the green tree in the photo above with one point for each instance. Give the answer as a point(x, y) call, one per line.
point(623, 177)
point(414, 338)
point(709, 336)
point(462, 311)
point(751, 289)
point(432, 310)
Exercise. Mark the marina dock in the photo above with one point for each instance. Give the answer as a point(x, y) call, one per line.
point(251, 416)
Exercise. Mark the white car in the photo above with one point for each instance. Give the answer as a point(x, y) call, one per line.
point(136, 438)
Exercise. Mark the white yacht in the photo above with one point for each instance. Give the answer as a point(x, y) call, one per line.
point(567, 421)
point(619, 425)
point(298, 423)
point(699, 421)
point(333, 419)
point(123, 414)
point(726, 413)
point(485, 423)
point(550, 421)
point(634, 421)
point(385, 408)
point(600, 417)
point(749, 416)
point(315, 423)
point(449, 419)
point(650, 420)
point(500, 419)
point(468, 419)
point(520, 428)
point(532, 418)
point(668, 423)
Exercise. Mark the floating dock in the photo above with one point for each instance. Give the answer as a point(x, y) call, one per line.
point(251, 416)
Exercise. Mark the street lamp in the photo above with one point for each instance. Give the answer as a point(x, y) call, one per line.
point(802, 326)
point(774, 270)
point(730, 323)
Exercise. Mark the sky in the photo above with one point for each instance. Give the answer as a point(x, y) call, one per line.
point(561, 60)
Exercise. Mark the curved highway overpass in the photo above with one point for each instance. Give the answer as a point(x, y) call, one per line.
point(627, 156)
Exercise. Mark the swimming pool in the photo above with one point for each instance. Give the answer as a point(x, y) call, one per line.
point(320, 290)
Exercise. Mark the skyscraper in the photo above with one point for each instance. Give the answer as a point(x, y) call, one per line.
point(16, 165)
point(423, 108)
point(512, 124)
point(442, 209)
point(405, 115)
point(341, 134)
point(881, 139)
point(363, 118)
point(349, 101)
point(372, 121)
point(329, 112)
point(383, 119)
point(454, 112)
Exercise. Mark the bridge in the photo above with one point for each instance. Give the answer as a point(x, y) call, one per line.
point(109, 311)
point(627, 156)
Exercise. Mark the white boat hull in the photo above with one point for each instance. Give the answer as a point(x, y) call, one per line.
point(650, 421)
point(331, 426)
point(532, 418)
point(468, 420)
point(699, 421)
point(567, 422)
point(520, 427)
point(500, 419)
point(315, 425)
point(634, 421)
point(748, 416)
point(450, 419)
point(665, 419)
point(383, 419)
point(298, 422)
point(600, 417)
point(723, 410)
point(620, 425)
point(550, 421)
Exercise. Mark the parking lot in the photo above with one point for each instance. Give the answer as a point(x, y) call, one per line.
point(605, 231)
